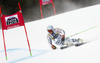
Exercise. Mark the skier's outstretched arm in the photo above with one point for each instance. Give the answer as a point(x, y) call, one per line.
point(50, 43)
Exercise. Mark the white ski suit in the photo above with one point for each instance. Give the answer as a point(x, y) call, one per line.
point(56, 36)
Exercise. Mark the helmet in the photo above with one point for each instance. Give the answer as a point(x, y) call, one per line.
point(50, 28)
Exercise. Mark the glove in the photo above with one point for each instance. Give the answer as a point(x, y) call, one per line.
point(63, 38)
point(53, 47)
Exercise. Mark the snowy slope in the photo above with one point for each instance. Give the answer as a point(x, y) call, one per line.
point(72, 22)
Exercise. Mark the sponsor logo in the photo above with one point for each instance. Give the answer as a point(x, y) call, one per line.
point(45, 0)
point(11, 20)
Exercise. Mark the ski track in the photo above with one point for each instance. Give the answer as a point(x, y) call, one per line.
point(11, 52)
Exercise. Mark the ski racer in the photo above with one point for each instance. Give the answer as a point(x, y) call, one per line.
point(58, 36)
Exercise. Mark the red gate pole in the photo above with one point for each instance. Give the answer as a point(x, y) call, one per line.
point(54, 8)
point(19, 6)
point(28, 41)
point(4, 44)
point(3, 37)
point(41, 12)
point(0, 11)
point(26, 33)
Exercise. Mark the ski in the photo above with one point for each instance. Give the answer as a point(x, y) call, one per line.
point(63, 47)
point(76, 45)
point(79, 44)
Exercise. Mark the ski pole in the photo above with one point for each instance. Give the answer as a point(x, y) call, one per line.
point(82, 31)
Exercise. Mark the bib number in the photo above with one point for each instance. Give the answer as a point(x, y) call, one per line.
point(58, 42)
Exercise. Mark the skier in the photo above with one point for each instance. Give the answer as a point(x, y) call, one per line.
point(58, 36)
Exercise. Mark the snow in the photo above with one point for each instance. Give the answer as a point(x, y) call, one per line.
point(72, 22)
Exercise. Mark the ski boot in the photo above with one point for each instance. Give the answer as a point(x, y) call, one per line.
point(79, 42)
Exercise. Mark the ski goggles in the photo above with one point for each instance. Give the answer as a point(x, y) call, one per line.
point(50, 31)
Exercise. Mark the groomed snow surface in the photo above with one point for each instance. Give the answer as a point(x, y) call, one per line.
point(72, 22)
